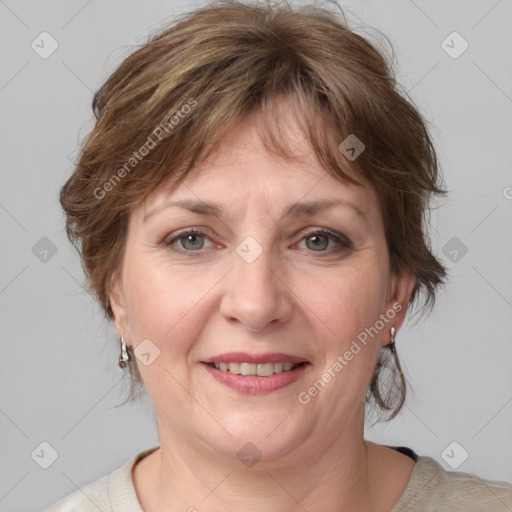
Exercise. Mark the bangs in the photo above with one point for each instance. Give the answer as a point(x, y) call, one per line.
point(273, 117)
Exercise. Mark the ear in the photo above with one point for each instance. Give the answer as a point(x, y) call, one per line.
point(117, 300)
point(403, 282)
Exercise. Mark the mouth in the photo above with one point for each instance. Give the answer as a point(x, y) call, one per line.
point(256, 374)
point(256, 369)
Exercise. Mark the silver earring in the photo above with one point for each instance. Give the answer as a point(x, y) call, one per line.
point(124, 357)
point(392, 342)
point(395, 356)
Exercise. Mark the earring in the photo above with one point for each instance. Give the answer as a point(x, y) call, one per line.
point(392, 347)
point(124, 357)
point(392, 342)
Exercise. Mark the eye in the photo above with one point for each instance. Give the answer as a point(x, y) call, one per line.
point(318, 241)
point(190, 240)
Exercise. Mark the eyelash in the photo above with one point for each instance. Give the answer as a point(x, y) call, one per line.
point(343, 242)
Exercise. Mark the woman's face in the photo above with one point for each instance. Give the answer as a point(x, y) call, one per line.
point(286, 264)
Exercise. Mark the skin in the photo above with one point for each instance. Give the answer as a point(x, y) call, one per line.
point(298, 297)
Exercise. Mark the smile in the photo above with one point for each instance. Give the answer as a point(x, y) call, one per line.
point(256, 378)
point(259, 369)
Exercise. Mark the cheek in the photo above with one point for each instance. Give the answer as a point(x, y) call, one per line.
point(344, 317)
point(164, 304)
point(162, 309)
point(347, 304)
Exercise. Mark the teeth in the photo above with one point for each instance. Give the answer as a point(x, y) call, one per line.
point(248, 368)
point(234, 367)
point(259, 369)
point(265, 369)
point(278, 367)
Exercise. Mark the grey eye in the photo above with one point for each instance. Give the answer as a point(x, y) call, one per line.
point(192, 242)
point(318, 242)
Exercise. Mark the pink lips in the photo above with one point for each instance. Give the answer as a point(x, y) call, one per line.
point(254, 384)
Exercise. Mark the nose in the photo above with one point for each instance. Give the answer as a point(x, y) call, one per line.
point(256, 293)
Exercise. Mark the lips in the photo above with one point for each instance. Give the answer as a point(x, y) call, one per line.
point(256, 373)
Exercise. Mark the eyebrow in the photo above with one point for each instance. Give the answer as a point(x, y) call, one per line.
point(296, 209)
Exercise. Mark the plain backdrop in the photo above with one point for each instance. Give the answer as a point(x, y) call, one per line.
point(60, 385)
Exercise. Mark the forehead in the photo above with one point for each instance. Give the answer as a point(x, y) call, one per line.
point(242, 170)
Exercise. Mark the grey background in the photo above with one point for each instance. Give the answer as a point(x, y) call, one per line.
point(59, 380)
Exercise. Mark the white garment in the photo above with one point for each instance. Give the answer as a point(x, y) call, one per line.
point(430, 489)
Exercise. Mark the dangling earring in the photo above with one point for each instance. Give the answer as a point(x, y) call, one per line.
point(124, 357)
point(392, 342)
point(392, 347)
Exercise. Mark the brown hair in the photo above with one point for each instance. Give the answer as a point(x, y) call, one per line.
point(169, 103)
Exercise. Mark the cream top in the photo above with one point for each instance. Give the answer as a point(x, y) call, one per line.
point(430, 489)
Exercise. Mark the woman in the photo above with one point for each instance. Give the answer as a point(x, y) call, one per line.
point(248, 209)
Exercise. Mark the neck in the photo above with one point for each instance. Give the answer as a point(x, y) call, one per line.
point(334, 475)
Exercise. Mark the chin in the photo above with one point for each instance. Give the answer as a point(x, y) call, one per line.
point(257, 440)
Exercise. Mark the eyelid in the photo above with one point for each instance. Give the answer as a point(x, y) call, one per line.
point(342, 241)
point(176, 236)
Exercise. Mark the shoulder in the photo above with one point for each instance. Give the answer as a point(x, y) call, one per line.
point(92, 496)
point(432, 488)
point(111, 493)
